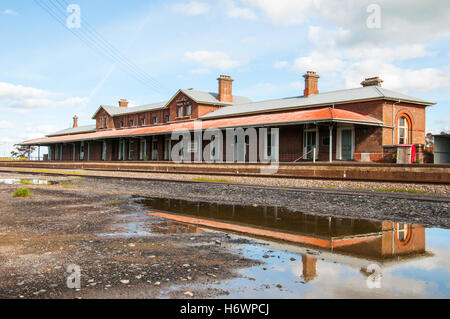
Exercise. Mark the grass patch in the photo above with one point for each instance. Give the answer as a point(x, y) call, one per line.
point(396, 190)
point(7, 159)
point(393, 190)
point(113, 203)
point(44, 171)
point(215, 180)
point(68, 186)
point(22, 192)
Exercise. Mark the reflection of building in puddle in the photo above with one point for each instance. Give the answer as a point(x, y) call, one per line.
point(12, 181)
point(363, 239)
point(393, 241)
point(309, 268)
point(170, 227)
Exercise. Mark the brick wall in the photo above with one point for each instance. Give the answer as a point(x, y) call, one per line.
point(291, 143)
point(368, 139)
point(416, 116)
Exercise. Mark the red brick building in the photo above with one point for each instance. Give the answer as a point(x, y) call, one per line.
point(362, 124)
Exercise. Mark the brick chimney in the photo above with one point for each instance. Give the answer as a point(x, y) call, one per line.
point(75, 121)
point(311, 83)
point(123, 103)
point(375, 81)
point(225, 88)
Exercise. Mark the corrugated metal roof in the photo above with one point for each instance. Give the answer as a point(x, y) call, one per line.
point(212, 98)
point(281, 118)
point(328, 98)
point(117, 110)
point(197, 96)
point(75, 130)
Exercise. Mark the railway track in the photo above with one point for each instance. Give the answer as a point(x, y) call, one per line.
point(352, 192)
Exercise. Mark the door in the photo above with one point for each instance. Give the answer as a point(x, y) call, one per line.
point(346, 144)
point(130, 150)
point(82, 151)
point(154, 150)
point(310, 144)
point(143, 149)
point(121, 150)
point(167, 149)
point(104, 152)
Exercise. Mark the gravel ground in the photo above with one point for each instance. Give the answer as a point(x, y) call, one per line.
point(440, 190)
point(78, 222)
point(94, 223)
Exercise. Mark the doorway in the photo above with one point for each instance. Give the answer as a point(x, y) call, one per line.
point(346, 143)
point(311, 141)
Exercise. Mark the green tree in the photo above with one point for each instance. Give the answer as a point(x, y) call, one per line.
point(429, 143)
point(21, 151)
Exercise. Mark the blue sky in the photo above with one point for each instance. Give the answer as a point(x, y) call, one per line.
point(47, 74)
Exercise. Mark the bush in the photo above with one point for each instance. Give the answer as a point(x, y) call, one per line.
point(22, 192)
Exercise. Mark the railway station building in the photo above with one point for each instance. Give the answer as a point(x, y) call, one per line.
point(365, 124)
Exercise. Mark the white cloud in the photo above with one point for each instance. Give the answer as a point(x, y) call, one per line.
point(20, 98)
point(281, 64)
point(10, 12)
point(318, 61)
point(314, 33)
point(212, 59)
point(327, 37)
point(383, 53)
point(396, 78)
point(6, 125)
point(409, 20)
point(359, 62)
point(233, 11)
point(12, 91)
point(283, 12)
point(192, 8)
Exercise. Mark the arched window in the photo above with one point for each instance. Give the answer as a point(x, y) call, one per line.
point(403, 130)
point(402, 232)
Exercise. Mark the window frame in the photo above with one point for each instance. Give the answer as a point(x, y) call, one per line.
point(403, 129)
point(188, 110)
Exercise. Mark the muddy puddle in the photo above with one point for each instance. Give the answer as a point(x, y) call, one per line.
point(138, 225)
point(308, 256)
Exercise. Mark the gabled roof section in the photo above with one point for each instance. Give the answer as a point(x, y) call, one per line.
point(322, 99)
point(75, 130)
point(197, 96)
point(211, 98)
point(117, 110)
